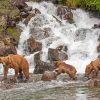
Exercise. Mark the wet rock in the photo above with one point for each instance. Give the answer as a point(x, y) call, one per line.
point(20, 4)
point(35, 77)
point(98, 56)
point(33, 45)
point(24, 14)
point(96, 26)
point(63, 77)
point(63, 56)
point(92, 83)
point(55, 54)
point(65, 13)
point(54, 1)
point(32, 13)
point(28, 18)
point(99, 38)
point(98, 48)
point(41, 67)
point(35, 11)
point(39, 21)
point(62, 48)
point(27, 9)
point(37, 58)
point(81, 34)
point(39, 33)
point(48, 76)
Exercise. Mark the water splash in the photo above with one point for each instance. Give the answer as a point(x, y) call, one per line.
point(80, 52)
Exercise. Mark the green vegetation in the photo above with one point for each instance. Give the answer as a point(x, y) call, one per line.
point(14, 32)
point(7, 9)
point(87, 4)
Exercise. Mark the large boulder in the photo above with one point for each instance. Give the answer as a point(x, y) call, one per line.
point(48, 76)
point(37, 58)
point(99, 38)
point(39, 33)
point(81, 34)
point(62, 48)
point(33, 45)
point(65, 13)
point(20, 4)
point(39, 20)
point(55, 54)
point(96, 26)
point(42, 66)
point(32, 13)
point(98, 48)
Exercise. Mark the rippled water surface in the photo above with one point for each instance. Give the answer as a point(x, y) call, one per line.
point(56, 93)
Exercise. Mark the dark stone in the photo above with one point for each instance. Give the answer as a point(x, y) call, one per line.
point(39, 33)
point(20, 4)
point(65, 13)
point(41, 67)
point(98, 48)
point(62, 48)
point(24, 14)
point(96, 26)
point(27, 9)
point(81, 33)
point(55, 54)
point(48, 76)
point(37, 58)
point(33, 45)
point(31, 14)
point(99, 38)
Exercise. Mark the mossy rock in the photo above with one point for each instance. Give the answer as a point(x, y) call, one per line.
point(14, 32)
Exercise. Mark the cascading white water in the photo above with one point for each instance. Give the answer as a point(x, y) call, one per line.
point(81, 50)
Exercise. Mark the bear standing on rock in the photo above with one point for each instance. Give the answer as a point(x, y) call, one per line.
point(18, 63)
point(62, 67)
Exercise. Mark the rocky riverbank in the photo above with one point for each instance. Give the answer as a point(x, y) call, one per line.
point(61, 88)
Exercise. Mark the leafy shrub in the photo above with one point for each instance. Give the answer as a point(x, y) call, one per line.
point(87, 4)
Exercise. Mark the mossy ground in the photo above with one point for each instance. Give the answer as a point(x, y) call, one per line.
point(7, 9)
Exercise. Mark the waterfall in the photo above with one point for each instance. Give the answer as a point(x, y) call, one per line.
point(81, 48)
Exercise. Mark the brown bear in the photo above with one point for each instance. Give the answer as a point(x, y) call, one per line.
point(18, 63)
point(62, 67)
point(93, 67)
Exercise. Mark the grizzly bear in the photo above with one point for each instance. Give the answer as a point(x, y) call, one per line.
point(93, 67)
point(61, 67)
point(18, 63)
